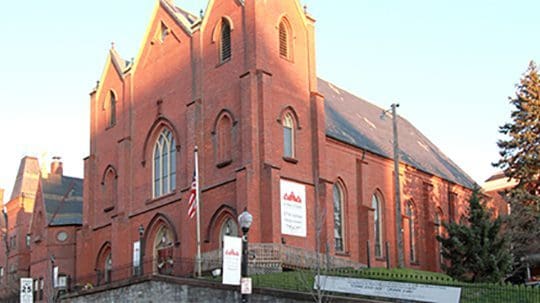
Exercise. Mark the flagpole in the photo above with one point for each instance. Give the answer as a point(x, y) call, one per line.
point(197, 201)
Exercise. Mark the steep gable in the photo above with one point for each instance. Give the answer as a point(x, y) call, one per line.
point(27, 177)
point(180, 25)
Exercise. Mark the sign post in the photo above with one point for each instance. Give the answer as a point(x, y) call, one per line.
point(26, 295)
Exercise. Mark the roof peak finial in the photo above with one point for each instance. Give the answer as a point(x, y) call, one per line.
point(305, 9)
point(112, 45)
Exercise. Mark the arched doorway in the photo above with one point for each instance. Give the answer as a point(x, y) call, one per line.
point(163, 251)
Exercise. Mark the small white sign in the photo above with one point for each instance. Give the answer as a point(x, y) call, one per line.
point(27, 295)
point(55, 276)
point(136, 253)
point(293, 208)
point(62, 282)
point(389, 289)
point(246, 286)
point(232, 260)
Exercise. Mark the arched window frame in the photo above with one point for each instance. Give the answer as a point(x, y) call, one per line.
point(104, 264)
point(109, 107)
point(437, 220)
point(285, 39)
point(164, 164)
point(109, 188)
point(225, 45)
point(223, 138)
point(410, 212)
point(163, 247)
point(288, 135)
point(377, 206)
point(338, 198)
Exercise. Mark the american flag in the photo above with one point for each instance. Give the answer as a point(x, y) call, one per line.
point(192, 200)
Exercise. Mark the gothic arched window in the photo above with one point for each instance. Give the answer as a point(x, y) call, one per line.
point(224, 134)
point(288, 136)
point(339, 229)
point(225, 49)
point(284, 39)
point(377, 221)
point(164, 170)
point(111, 113)
point(410, 212)
point(438, 232)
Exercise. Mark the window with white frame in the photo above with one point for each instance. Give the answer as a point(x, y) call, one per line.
point(164, 170)
point(288, 136)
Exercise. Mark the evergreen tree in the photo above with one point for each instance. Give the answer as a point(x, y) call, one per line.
point(476, 251)
point(520, 160)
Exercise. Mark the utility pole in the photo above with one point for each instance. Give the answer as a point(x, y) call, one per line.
point(399, 228)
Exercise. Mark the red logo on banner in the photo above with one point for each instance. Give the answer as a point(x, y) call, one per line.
point(292, 197)
point(232, 252)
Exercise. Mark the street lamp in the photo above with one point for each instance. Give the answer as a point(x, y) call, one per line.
point(245, 219)
point(141, 249)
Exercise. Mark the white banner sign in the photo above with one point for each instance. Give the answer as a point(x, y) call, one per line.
point(293, 208)
point(232, 260)
point(388, 289)
point(26, 291)
point(136, 253)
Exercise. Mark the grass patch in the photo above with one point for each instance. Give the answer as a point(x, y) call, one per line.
point(470, 293)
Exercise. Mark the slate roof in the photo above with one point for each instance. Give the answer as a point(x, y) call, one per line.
point(62, 197)
point(358, 122)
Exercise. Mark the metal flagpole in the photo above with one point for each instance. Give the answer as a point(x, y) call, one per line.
point(197, 200)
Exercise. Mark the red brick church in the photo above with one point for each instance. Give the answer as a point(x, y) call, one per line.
point(240, 83)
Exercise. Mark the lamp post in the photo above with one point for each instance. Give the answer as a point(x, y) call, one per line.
point(245, 219)
point(399, 231)
point(141, 249)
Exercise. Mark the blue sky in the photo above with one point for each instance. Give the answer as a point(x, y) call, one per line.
point(450, 64)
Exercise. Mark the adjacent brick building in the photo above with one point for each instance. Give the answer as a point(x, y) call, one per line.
point(38, 229)
point(241, 84)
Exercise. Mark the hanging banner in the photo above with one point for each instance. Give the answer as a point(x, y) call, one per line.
point(293, 208)
point(136, 255)
point(26, 295)
point(232, 260)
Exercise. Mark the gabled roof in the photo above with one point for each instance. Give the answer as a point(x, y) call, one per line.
point(357, 122)
point(62, 198)
point(27, 177)
point(182, 13)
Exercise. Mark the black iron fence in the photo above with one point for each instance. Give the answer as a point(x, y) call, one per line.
point(300, 279)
